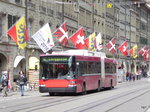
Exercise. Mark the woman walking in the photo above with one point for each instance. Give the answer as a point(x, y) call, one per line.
point(22, 80)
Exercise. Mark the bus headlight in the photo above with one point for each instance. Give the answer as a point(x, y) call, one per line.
point(42, 85)
point(72, 85)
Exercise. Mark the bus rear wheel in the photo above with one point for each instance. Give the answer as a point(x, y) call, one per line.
point(111, 85)
point(84, 92)
point(99, 87)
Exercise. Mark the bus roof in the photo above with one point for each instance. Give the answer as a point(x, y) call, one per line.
point(81, 53)
point(111, 60)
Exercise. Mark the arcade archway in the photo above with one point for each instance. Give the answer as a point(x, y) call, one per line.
point(3, 63)
point(19, 65)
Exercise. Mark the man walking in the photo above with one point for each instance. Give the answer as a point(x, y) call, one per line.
point(4, 85)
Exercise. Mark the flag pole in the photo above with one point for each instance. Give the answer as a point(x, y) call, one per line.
point(26, 20)
point(26, 13)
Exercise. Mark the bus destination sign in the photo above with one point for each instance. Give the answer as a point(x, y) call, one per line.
point(54, 59)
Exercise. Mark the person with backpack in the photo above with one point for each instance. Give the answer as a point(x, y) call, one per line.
point(22, 80)
point(5, 85)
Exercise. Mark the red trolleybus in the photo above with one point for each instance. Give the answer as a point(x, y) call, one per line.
point(76, 71)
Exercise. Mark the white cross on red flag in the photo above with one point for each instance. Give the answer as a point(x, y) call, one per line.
point(148, 51)
point(111, 45)
point(61, 34)
point(78, 39)
point(123, 48)
point(146, 55)
point(143, 51)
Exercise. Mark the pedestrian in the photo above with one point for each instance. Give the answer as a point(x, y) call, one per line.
point(130, 76)
point(133, 76)
point(139, 74)
point(5, 84)
point(127, 76)
point(22, 80)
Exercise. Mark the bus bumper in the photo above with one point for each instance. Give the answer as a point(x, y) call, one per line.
point(57, 90)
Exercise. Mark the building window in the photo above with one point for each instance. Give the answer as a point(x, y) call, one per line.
point(143, 26)
point(41, 23)
point(17, 1)
point(42, 6)
point(143, 40)
point(11, 20)
point(30, 28)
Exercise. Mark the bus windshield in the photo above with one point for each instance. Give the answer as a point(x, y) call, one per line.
point(56, 67)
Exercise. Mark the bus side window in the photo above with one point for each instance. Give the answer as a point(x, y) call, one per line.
point(78, 69)
point(73, 65)
point(98, 67)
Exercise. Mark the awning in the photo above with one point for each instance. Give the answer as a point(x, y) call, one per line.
point(17, 60)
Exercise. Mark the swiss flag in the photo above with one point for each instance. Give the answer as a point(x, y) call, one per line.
point(111, 45)
point(146, 55)
point(78, 39)
point(61, 34)
point(123, 48)
point(143, 51)
point(148, 51)
point(86, 42)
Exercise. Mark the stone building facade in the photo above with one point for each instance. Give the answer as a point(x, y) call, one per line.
point(10, 11)
point(124, 21)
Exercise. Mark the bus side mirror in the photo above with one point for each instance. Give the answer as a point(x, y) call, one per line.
point(43, 77)
point(75, 76)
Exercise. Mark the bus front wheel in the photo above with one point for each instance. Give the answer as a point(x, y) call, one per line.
point(51, 94)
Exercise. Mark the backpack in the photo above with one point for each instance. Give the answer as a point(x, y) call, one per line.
point(4, 83)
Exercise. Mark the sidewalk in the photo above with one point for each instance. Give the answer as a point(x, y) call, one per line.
point(17, 95)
